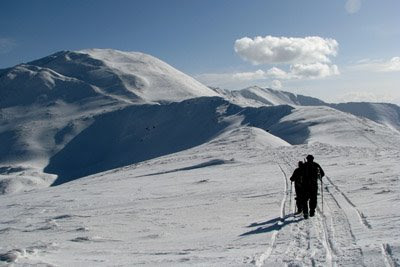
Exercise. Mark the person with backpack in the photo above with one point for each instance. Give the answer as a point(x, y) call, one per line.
point(297, 178)
point(312, 172)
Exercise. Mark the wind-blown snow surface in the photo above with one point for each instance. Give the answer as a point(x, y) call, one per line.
point(226, 202)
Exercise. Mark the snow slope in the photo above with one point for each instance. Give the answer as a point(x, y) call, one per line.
point(115, 105)
point(132, 76)
point(256, 96)
point(46, 103)
point(384, 113)
point(141, 132)
point(226, 202)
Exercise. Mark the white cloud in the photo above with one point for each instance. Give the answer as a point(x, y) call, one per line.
point(276, 84)
point(391, 65)
point(305, 58)
point(257, 75)
point(352, 6)
point(365, 97)
point(6, 45)
point(274, 74)
point(289, 50)
point(297, 71)
point(313, 71)
point(277, 73)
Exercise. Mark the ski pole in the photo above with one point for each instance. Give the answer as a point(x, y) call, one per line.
point(290, 197)
point(322, 197)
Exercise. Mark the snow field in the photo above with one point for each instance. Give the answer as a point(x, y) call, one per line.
point(222, 203)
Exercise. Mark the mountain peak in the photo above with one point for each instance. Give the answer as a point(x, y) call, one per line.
point(128, 76)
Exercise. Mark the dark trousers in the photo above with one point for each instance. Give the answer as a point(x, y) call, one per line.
point(299, 197)
point(310, 200)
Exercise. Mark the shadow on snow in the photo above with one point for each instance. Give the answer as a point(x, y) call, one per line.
point(142, 132)
point(275, 224)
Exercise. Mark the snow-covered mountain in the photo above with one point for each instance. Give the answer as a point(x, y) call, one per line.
point(226, 202)
point(46, 103)
point(257, 96)
point(73, 114)
point(154, 168)
point(72, 76)
point(107, 103)
point(383, 113)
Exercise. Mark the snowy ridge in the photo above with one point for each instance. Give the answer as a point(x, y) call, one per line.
point(384, 113)
point(149, 77)
point(141, 132)
point(155, 169)
point(133, 76)
point(47, 102)
point(257, 96)
point(49, 106)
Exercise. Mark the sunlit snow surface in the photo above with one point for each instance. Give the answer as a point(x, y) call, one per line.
point(226, 202)
point(154, 168)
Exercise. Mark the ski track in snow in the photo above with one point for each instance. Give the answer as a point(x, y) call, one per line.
point(387, 256)
point(329, 232)
point(328, 239)
point(260, 261)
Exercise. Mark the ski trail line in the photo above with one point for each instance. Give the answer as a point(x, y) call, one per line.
point(263, 257)
point(326, 240)
point(387, 256)
point(324, 234)
point(283, 203)
point(362, 218)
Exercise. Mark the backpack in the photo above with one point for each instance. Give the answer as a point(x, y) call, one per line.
point(311, 172)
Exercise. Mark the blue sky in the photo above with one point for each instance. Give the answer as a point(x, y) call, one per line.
point(340, 50)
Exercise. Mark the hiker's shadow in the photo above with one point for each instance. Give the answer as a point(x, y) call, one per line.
point(271, 225)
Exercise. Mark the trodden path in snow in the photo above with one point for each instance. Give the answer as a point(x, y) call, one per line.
point(305, 242)
point(329, 238)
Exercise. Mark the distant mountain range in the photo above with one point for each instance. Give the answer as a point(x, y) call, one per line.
point(73, 114)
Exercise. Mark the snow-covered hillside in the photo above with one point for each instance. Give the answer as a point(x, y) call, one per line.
point(256, 96)
point(46, 103)
point(383, 113)
point(118, 107)
point(224, 203)
point(132, 76)
point(154, 168)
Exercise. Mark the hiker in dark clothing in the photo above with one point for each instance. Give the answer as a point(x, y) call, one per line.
point(312, 173)
point(297, 178)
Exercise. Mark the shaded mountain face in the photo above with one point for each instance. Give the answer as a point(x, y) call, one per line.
point(383, 113)
point(141, 132)
point(45, 103)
